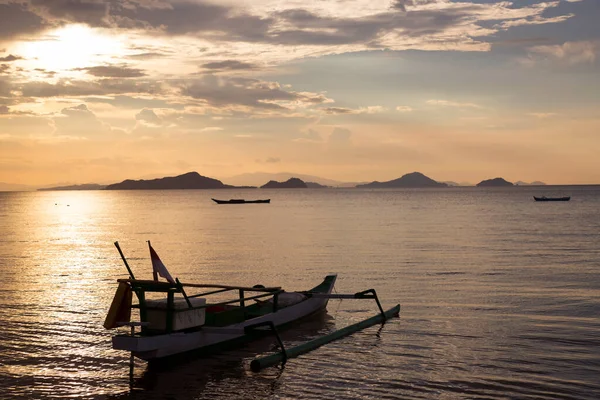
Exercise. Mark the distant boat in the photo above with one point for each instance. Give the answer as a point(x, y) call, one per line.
point(544, 198)
point(240, 201)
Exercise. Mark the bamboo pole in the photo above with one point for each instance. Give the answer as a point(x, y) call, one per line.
point(262, 362)
point(124, 260)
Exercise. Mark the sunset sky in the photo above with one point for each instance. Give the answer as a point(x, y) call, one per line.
point(352, 90)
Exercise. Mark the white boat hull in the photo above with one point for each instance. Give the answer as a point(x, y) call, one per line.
point(160, 346)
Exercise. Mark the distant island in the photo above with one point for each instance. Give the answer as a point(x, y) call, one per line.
point(191, 180)
point(315, 185)
point(85, 186)
point(292, 183)
point(412, 180)
point(496, 182)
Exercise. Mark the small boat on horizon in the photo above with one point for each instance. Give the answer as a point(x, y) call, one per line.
point(241, 201)
point(544, 198)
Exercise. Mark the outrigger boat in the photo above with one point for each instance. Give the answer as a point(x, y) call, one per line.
point(241, 201)
point(544, 198)
point(180, 321)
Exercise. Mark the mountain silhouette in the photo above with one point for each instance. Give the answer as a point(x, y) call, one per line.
point(412, 180)
point(292, 183)
point(191, 180)
point(496, 182)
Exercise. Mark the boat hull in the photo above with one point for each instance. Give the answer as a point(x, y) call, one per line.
point(241, 201)
point(210, 338)
point(567, 198)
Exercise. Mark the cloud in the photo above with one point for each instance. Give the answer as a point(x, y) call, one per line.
point(338, 110)
point(3, 110)
point(16, 19)
point(148, 116)
point(361, 110)
point(113, 71)
point(315, 28)
point(79, 122)
point(570, 53)
point(10, 58)
point(253, 93)
point(91, 12)
point(447, 103)
point(404, 109)
point(69, 88)
point(229, 65)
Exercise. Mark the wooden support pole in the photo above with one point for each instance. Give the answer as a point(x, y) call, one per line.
point(125, 261)
point(262, 362)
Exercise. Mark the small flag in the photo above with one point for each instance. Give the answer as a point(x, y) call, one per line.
point(158, 266)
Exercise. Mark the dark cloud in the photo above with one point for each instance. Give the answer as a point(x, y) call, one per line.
point(229, 65)
point(80, 111)
point(10, 58)
point(220, 91)
point(45, 72)
point(113, 71)
point(4, 69)
point(88, 11)
point(87, 88)
point(146, 55)
point(218, 22)
point(16, 19)
point(5, 88)
point(338, 110)
point(402, 4)
point(186, 17)
point(4, 110)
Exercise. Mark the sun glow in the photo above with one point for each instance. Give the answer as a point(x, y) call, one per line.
point(70, 47)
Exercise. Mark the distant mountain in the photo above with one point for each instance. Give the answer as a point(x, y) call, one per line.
point(412, 180)
point(315, 185)
point(292, 183)
point(191, 180)
point(496, 182)
point(86, 186)
point(535, 183)
point(257, 178)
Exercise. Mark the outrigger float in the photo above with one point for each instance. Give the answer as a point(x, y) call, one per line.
point(173, 321)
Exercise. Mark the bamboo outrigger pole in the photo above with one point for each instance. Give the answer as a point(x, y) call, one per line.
point(267, 361)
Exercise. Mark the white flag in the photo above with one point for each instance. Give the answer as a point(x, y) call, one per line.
point(159, 267)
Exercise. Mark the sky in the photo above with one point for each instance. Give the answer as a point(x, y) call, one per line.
point(352, 90)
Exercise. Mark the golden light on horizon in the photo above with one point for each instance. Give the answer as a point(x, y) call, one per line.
point(72, 46)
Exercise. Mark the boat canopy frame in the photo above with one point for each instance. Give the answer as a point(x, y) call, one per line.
point(142, 287)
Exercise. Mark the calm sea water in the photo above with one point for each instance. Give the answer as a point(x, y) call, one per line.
point(500, 295)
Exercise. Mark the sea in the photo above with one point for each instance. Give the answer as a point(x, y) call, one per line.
point(499, 294)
